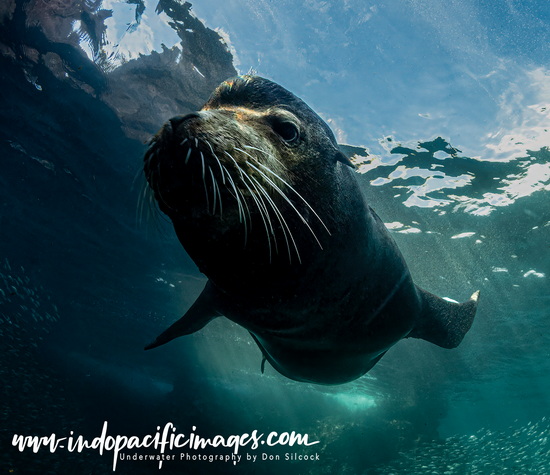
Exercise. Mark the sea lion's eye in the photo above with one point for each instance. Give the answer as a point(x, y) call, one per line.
point(286, 130)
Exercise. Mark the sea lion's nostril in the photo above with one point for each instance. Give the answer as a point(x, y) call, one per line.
point(180, 119)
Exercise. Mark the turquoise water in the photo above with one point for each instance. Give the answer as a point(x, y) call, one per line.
point(445, 107)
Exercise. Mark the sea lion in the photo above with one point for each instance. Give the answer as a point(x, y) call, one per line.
point(266, 204)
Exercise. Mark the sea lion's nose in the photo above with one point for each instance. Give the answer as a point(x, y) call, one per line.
point(180, 119)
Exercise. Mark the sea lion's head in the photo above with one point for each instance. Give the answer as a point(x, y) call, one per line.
point(253, 171)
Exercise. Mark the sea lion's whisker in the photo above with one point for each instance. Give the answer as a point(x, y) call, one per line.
point(262, 202)
point(297, 194)
point(150, 206)
point(204, 181)
point(219, 196)
point(256, 148)
point(140, 206)
point(284, 225)
point(243, 200)
point(261, 213)
point(242, 217)
point(213, 191)
point(145, 196)
point(246, 153)
point(157, 189)
point(262, 190)
point(266, 212)
point(235, 195)
point(188, 155)
point(217, 160)
point(270, 155)
point(217, 190)
point(141, 198)
point(285, 197)
point(241, 173)
point(183, 141)
point(140, 170)
point(240, 202)
point(243, 176)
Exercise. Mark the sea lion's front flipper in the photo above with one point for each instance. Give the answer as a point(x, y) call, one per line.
point(198, 315)
point(443, 322)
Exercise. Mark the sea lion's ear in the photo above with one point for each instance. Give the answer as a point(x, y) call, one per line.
point(340, 157)
point(350, 151)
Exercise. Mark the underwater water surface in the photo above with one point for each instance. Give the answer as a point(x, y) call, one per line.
point(445, 107)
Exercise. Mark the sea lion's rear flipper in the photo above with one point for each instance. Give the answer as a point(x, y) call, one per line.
point(443, 322)
point(198, 315)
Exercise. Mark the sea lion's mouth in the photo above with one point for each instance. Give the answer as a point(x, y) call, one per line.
point(178, 165)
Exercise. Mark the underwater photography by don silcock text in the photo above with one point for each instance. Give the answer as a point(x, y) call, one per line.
point(256, 237)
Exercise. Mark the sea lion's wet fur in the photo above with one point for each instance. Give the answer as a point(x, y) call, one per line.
point(269, 209)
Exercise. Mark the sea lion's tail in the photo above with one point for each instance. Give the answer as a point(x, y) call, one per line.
point(442, 321)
